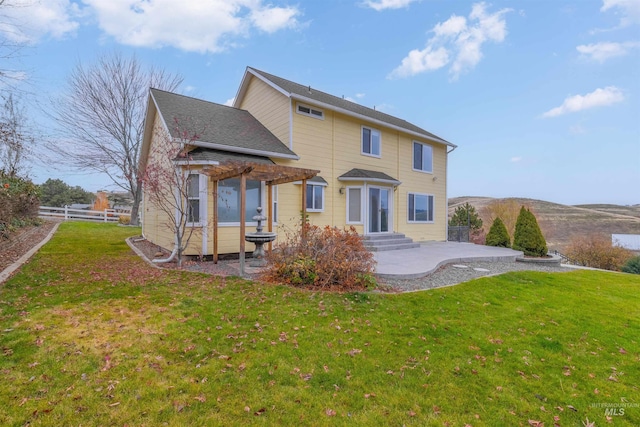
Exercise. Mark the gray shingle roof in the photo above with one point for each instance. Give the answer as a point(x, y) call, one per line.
point(367, 175)
point(325, 98)
point(200, 154)
point(225, 127)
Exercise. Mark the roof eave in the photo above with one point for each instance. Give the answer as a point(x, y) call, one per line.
point(369, 119)
point(244, 84)
point(365, 179)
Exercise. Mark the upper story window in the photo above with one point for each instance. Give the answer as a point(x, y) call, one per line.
point(422, 157)
point(370, 142)
point(310, 111)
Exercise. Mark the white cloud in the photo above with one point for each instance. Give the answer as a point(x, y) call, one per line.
point(457, 41)
point(229, 102)
point(602, 51)
point(598, 98)
point(271, 19)
point(387, 4)
point(189, 25)
point(628, 10)
point(27, 21)
point(360, 95)
point(515, 159)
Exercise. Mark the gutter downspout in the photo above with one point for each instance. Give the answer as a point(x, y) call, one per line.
point(446, 194)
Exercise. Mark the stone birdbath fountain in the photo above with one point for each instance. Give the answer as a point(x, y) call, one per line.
point(259, 238)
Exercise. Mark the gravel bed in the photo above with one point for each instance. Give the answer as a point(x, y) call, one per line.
point(452, 274)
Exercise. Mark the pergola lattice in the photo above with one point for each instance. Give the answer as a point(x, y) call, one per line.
point(270, 174)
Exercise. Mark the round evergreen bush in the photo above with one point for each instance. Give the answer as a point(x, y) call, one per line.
point(528, 238)
point(632, 266)
point(498, 235)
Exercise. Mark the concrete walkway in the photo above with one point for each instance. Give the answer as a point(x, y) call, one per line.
point(419, 262)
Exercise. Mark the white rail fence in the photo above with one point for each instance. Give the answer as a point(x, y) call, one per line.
point(66, 213)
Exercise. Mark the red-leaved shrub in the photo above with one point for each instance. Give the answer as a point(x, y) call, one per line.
point(321, 258)
point(597, 251)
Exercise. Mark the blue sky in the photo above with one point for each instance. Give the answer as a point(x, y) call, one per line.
point(541, 97)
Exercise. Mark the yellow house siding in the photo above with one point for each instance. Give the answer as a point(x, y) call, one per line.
point(269, 106)
point(423, 183)
point(333, 146)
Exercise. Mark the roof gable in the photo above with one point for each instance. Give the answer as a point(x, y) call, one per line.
point(312, 95)
point(217, 126)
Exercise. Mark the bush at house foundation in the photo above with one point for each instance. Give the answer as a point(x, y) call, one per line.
point(321, 258)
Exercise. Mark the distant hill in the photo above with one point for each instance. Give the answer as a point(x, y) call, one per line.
point(559, 223)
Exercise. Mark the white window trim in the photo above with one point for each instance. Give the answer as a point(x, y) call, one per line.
point(413, 160)
point(275, 205)
point(362, 203)
point(322, 187)
point(414, 206)
point(364, 153)
point(315, 116)
point(202, 196)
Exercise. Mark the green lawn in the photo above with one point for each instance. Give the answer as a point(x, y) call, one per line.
point(90, 335)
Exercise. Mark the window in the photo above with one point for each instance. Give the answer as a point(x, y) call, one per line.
point(420, 208)
point(370, 142)
point(193, 198)
point(315, 198)
point(422, 157)
point(354, 205)
point(274, 199)
point(229, 200)
point(310, 111)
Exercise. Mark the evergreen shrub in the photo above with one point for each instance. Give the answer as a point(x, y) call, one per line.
point(528, 238)
point(498, 235)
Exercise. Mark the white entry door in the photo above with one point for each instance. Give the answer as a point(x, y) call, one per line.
point(379, 209)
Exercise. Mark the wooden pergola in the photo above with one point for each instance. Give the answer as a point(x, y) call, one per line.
point(270, 174)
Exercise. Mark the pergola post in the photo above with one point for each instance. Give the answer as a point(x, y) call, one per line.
point(243, 214)
point(304, 208)
point(215, 221)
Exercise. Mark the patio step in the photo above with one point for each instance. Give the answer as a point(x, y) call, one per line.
point(388, 242)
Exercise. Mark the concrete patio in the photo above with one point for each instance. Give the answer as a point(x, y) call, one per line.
point(419, 262)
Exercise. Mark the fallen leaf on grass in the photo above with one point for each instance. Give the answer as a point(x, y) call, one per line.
point(368, 395)
point(411, 414)
point(200, 398)
point(330, 413)
point(535, 423)
point(260, 412)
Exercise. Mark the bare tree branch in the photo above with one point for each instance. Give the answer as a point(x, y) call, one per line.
point(15, 140)
point(101, 116)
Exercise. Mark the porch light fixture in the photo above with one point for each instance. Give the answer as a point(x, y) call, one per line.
point(341, 190)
